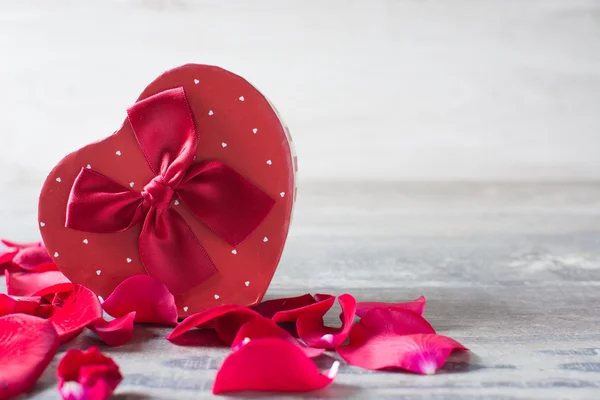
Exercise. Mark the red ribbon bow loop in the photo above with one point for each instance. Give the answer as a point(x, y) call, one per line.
point(222, 199)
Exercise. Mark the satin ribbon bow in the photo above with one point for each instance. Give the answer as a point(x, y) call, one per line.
point(225, 201)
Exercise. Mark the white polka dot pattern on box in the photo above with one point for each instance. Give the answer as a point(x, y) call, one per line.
point(216, 296)
point(58, 179)
point(85, 241)
point(129, 260)
point(196, 81)
point(242, 98)
point(118, 152)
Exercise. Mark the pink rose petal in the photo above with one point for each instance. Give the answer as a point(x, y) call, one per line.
point(398, 321)
point(225, 319)
point(419, 353)
point(313, 331)
point(27, 345)
point(88, 375)
point(417, 306)
point(271, 365)
point(269, 308)
point(79, 310)
point(149, 298)
point(37, 283)
point(260, 327)
point(116, 332)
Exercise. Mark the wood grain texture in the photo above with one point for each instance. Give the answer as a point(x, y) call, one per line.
point(510, 270)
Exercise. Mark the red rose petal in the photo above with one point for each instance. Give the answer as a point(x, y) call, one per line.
point(261, 327)
point(27, 345)
point(31, 258)
point(322, 304)
point(313, 331)
point(16, 305)
point(226, 319)
point(45, 311)
point(149, 298)
point(88, 375)
point(270, 307)
point(37, 283)
point(18, 246)
point(417, 306)
point(273, 365)
point(116, 332)
point(419, 353)
point(6, 260)
point(80, 309)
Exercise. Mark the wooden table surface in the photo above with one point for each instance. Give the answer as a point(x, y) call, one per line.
point(510, 270)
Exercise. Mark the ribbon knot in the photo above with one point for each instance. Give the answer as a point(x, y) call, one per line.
point(225, 201)
point(157, 193)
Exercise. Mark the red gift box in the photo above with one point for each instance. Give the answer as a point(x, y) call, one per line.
point(195, 189)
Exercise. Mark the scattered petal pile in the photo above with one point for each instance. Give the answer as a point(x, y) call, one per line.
point(43, 310)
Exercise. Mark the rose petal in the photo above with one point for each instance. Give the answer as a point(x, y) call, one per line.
point(27, 345)
point(313, 331)
point(269, 308)
point(261, 327)
point(37, 283)
point(87, 375)
point(417, 306)
point(15, 305)
point(149, 298)
point(226, 319)
point(419, 353)
point(379, 321)
point(323, 303)
point(6, 260)
point(18, 246)
point(59, 298)
point(45, 311)
point(31, 257)
point(116, 332)
point(80, 309)
point(271, 364)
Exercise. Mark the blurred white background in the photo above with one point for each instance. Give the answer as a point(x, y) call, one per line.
point(396, 89)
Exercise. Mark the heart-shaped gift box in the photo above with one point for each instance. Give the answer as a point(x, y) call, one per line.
point(195, 189)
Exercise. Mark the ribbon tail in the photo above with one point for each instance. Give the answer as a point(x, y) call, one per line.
point(171, 253)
